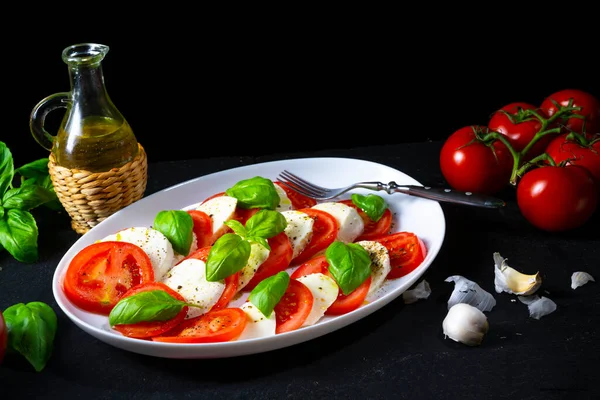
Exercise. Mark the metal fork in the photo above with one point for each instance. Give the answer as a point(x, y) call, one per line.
point(316, 192)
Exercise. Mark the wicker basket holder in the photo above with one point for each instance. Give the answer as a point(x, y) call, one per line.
point(91, 197)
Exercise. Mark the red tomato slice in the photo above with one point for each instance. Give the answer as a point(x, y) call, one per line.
point(298, 200)
point(151, 328)
point(407, 251)
point(231, 282)
point(99, 275)
point(202, 227)
point(344, 303)
point(294, 307)
point(372, 229)
point(279, 259)
point(222, 325)
point(325, 231)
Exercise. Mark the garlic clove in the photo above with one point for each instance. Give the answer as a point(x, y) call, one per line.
point(467, 291)
point(421, 291)
point(538, 306)
point(509, 280)
point(580, 278)
point(465, 324)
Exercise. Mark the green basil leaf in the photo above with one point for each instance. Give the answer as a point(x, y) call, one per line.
point(27, 197)
point(31, 331)
point(178, 227)
point(257, 192)
point(228, 255)
point(260, 240)
point(19, 234)
point(266, 224)
point(374, 206)
point(35, 169)
point(269, 291)
point(349, 264)
point(7, 168)
point(237, 227)
point(151, 305)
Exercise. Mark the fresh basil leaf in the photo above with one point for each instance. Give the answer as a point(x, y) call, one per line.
point(269, 291)
point(7, 168)
point(374, 206)
point(349, 264)
point(228, 255)
point(260, 240)
point(237, 227)
point(19, 234)
point(257, 192)
point(178, 227)
point(27, 197)
point(266, 224)
point(31, 331)
point(35, 169)
point(151, 305)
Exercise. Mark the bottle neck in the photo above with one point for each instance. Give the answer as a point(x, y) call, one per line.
point(87, 83)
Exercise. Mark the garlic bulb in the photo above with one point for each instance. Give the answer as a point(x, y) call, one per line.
point(466, 324)
point(580, 278)
point(509, 280)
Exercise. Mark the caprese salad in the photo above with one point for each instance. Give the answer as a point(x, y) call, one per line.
point(256, 260)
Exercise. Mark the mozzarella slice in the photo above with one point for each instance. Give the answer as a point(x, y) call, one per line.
point(257, 325)
point(258, 255)
point(298, 230)
point(380, 263)
point(219, 209)
point(153, 242)
point(324, 290)
point(188, 278)
point(351, 223)
point(284, 201)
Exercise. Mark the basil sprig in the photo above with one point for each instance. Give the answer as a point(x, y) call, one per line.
point(349, 264)
point(374, 206)
point(31, 331)
point(150, 305)
point(230, 253)
point(178, 227)
point(269, 291)
point(257, 192)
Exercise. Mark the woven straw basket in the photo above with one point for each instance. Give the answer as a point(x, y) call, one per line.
point(91, 197)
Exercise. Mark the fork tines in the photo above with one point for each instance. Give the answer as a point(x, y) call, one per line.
point(300, 185)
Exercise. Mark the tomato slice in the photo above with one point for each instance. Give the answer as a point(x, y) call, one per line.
point(202, 227)
point(407, 251)
point(279, 259)
point(325, 231)
point(298, 200)
point(294, 307)
point(231, 282)
point(372, 229)
point(100, 274)
point(222, 325)
point(344, 303)
point(151, 328)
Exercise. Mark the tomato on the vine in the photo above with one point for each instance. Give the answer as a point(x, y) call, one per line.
point(469, 164)
point(590, 109)
point(572, 151)
point(519, 127)
point(557, 198)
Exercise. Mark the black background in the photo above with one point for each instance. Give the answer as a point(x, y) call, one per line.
point(259, 89)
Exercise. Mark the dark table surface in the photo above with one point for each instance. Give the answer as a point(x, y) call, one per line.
point(397, 352)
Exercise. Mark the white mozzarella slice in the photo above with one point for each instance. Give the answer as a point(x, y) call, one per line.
point(188, 278)
point(257, 325)
point(219, 209)
point(380, 263)
point(153, 242)
point(350, 221)
point(258, 255)
point(284, 201)
point(324, 290)
point(298, 230)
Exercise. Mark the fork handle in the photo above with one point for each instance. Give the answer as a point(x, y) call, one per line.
point(448, 195)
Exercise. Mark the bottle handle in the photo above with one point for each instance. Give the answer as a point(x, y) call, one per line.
point(39, 114)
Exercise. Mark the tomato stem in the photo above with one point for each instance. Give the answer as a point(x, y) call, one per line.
point(542, 159)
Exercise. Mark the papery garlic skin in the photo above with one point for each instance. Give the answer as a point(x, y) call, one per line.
point(465, 324)
point(421, 291)
point(580, 278)
point(467, 291)
point(509, 280)
point(538, 306)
